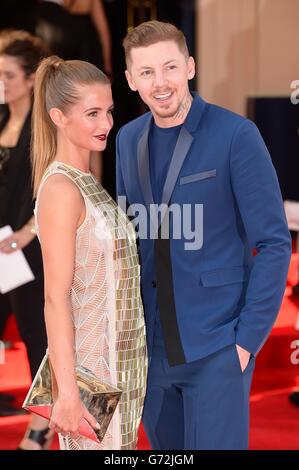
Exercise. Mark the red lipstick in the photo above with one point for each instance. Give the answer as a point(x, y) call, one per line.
point(102, 137)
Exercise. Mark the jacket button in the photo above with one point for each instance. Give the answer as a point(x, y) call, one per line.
point(154, 284)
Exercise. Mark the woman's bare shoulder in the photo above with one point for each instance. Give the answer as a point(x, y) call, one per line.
point(59, 184)
point(61, 193)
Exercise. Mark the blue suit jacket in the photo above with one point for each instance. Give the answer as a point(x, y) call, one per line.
point(222, 293)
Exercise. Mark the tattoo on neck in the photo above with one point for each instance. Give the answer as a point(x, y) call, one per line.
point(183, 108)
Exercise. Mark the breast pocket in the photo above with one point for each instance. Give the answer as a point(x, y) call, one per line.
point(198, 176)
point(224, 276)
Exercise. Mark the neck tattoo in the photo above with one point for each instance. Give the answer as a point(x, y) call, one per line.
point(183, 108)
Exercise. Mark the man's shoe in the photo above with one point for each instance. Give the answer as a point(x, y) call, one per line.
point(294, 398)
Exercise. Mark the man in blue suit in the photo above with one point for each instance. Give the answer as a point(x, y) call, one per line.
point(209, 303)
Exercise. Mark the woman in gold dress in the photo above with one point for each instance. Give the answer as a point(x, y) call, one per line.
point(93, 309)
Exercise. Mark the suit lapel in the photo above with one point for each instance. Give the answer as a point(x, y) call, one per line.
point(181, 150)
point(143, 165)
point(183, 145)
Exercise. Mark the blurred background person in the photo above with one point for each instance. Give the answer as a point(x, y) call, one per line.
point(20, 53)
point(77, 29)
point(91, 31)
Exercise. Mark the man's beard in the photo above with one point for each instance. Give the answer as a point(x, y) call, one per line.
point(167, 112)
point(180, 111)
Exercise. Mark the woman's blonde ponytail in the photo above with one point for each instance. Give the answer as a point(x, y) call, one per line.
point(44, 134)
point(56, 86)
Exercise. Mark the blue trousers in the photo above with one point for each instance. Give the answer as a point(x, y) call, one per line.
point(202, 405)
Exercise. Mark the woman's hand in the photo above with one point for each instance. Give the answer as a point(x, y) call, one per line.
point(17, 241)
point(67, 414)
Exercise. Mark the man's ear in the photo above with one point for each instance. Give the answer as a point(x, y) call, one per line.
point(191, 68)
point(57, 117)
point(130, 81)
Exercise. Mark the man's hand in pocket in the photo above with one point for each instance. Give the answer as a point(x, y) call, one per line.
point(244, 357)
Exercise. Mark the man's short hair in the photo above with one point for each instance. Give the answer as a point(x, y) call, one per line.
point(151, 32)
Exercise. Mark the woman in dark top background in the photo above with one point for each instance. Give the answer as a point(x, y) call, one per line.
point(77, 29)
point(20, 54)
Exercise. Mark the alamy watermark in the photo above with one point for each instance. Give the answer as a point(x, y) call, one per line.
point(294, 358)
point(175, 221)
point(2, 352)
point(294, 97)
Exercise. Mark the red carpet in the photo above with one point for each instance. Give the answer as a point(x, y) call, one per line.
point(274, 421)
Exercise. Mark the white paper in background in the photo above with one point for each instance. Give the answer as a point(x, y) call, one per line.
point(292, 214)
point(14, 268)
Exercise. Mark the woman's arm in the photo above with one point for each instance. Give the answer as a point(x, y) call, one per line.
point(61, 210)
point(100, 21)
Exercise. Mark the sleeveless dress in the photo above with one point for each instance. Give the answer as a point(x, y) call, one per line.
point(107, 309)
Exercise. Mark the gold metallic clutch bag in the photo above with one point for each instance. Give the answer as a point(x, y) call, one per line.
point(100, 398)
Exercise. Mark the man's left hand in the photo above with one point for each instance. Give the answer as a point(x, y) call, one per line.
point(244, 357)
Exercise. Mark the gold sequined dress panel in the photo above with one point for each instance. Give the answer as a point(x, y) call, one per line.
point(107, 309)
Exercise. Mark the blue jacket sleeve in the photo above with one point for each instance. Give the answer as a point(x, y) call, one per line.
point(260, 204)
